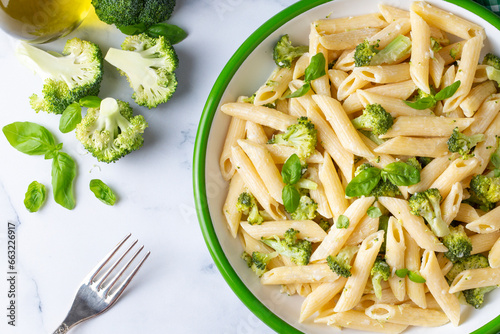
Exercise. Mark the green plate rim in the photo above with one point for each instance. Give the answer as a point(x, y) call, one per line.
point(199, 158)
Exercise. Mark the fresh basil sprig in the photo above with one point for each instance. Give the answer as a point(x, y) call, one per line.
point(401, 174)
point(102, 191)
point(35, 196)
point(171, 32)
point(364, 182)
point(72, 115)
point(291, 173)
point(315, 70)
point(431, 100)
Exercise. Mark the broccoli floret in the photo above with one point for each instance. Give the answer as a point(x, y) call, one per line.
point(458, 244)
point(396, 50)
point(68, 77)
point(306, 209)
point(149, 64)
point(484, 191)
point(247, 204)
point(463, 144)
point(131, 12)
point(380, 271)
point(258, 261)
point(413, 161)
point(325, 224)
point(427, 205)
point(302, 136)
point(364, 53)
point(284, 52)
point(435, 45)
point(341, 264)
point(111, 131)
point(375, 119)
point(424, 161)
point(299, 251)
point(474, 297)
point(492, 60)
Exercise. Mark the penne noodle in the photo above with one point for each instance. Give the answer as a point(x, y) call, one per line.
point(430, 173)
point(394, 106)
point(259, 114)
point(235, 131)
point(476, 97)
point(466, 213)
point(334, 190)
point(275, 86)
point(475, 278)
point(407, 315)
point(426, 126)
point(347, 39)
point(233, 216)
point(483, 242)
point(308, 229)
point(415, 291)
point(319, 297)
point(312, 273)
point(494, 255)
point(457, 171)
point(451, 204)
point(336, 25)
point(383, 74)
point(280, 153)
point(394, 256)
point(360, 321)
point(255, 133)
point(488, 223)
point(420, 55)
point(318, 195)
point(414, 146)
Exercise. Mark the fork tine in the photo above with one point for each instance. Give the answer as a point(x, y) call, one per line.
point(115, 295)
point(120, 273)
point(100, 282)
point(93, 273)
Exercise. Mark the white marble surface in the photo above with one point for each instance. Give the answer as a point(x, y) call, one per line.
point(179, 290)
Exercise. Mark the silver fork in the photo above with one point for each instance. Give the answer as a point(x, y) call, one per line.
point(94, 295)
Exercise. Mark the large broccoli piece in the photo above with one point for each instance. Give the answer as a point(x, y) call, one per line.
point(130, 12)
point(306, 209)
point(341, 264)
point(258, 261)
point(68, 77)
point(375, 119)
point(474, 297)
point(458, 244)
point(248, 205)
point(492, 60)
point(111, 131)
point(284, 52)
point(384, 188)
point(463, 144)
point(364, 53)
point(380, 271)
point(299, 251)
point(486, 189)
point(149, 64)
point(302, 136)
point(427, 205)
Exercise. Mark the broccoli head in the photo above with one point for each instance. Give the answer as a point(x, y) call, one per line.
point(111, 131)
point(284, 53)
point(299, 251)
point(463, 144)
point(492, 60)
point(247, 204)
point(375, 119)
point(341, 264)
point(413, 161)
point(486, 189)
point(302, 136)
point(458, 244)
point(149, 64)
point(68, 77)
point(427, 205)
point(364, 53)
point(306, 209)
point(131, 12)
point(258, 261)
point(380, 271)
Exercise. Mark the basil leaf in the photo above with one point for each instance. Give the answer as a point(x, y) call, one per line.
point(133, 29)
point(292, 170)
point(495, 160)
point(70, 118)
point(299, 92)
point(401, 174)
point(415, 277)
point(63, 174)
point(423, 103)
point(35, 196)
point(29, 138)
point(401, 273)
point(342, 222)
point(102, 192)
point(291, 198)
point(90, 102)
point(373, 212)
point(363, 183)
point(447, 91)
point(316, 68)
point(173, 33)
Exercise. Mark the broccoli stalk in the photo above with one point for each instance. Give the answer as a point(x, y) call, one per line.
point(258, 261)
point(247, 204)
point(302, 136)
point(111, 131)
point(341, 264)
point(395, 51)
point(375, 119)
point(484, 191)
point(463, 144)
point(68, 77)
point(380, 271)
point(299, 251)
point(427, 205)
point(458, 244)
point(149, 64)
point(284, 53)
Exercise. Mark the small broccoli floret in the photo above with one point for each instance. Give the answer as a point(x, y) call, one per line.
point(247, 204)
point(427, 205)
point(435, 45)
point(299, 251)
point(458, 244)
point(380, 271)
point(413, 161)
point(424, 161)
point(492, 60)
point(474, 297)
point(325, 224)
point(487, 189)
point(364, 53)
point(302, 136)
point(130, 12)
point(149, 64)
point(306, 209)
point(258, 261)
point(68, 77)
point(463, 144)
point(375, 119)
point(111, 131)
point(341, 264)
point(284, 52)
point(396, 50)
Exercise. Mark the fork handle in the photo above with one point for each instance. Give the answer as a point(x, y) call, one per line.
point(62, 329)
